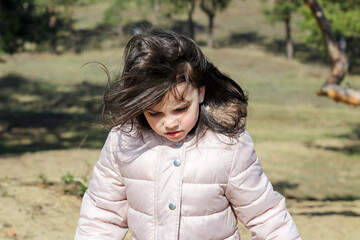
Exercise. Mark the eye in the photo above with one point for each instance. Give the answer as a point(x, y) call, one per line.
point(154, 114)
point(180, 110)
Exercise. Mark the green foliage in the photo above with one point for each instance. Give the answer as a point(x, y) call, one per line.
point(67, 178)
point(23, 21)
point(82, 189)
point(113, 15)
point(161, 13)
point(344, 18)
point(74, 186)
point(16, 19)
point(281, 10)
point(210, 7)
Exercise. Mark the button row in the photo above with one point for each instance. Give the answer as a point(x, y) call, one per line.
point(177, 163)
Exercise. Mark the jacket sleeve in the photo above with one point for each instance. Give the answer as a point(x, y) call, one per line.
point(103, 213)
point(261, 209)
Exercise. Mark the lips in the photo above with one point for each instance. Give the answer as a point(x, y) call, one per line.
point(174, 134)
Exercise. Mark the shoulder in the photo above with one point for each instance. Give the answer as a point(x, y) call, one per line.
point(244, 155)
point(126, 143)
point(213, 139)
point(240, 149)
point(126, 135)
point(244, 138)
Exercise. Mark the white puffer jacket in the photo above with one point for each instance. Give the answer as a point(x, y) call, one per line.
point(194, 191)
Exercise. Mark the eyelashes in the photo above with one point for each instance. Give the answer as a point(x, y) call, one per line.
point(154, 114)
point(178, 110)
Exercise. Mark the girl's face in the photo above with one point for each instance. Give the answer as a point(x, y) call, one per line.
point(174, 119)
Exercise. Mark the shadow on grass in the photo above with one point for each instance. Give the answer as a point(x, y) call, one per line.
point(182, 27)
point(352, 148)
point(332, 198)
point(329, 213)
point(283, 186)
point(303, 52)
point(93, 38)
point(37, 116)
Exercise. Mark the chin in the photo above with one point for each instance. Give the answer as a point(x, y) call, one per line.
point(178, 139)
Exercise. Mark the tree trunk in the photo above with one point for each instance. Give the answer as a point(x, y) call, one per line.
point(70, 24)
point(211, 31)
point(120, 33)
point(73, 37)
point(190, 19)
point(209, 9)
point(157, 12)
point(289, 44)
point(338, 61)
point(52, 25)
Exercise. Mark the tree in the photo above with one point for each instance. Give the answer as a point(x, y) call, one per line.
point(210, 7)
point(282, 10)
point(163, 12)
point(52, 24)
point(23, 21)
point(113, 16)
point(69, 21)
point(187, 6)
point(15, 16)
point(191, 9)
point(344, 17)
point(337, 57)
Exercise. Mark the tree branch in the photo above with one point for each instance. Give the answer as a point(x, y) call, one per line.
point(337, 58)
point(348, 96)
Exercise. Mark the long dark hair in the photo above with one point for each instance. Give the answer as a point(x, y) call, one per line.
point(154, 64)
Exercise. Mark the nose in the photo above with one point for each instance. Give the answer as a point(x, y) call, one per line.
point(170, 123)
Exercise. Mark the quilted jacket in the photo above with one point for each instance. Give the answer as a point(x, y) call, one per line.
point(197, 190)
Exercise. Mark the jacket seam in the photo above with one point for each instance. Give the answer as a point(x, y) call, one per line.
point(231, 168)
point(231, 234)
point(213, 213)
point(246, 169)
point(145, 180)
point(222, 148)
point(225, 183)
point(92, 195)
point(140, 211)
point(108, 168)
point(156, 193)
point(180, 182)
point(99, 221)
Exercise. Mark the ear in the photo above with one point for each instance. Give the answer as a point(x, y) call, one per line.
point(202, 93)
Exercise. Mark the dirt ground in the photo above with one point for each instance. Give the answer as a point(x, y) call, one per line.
point(31, 208)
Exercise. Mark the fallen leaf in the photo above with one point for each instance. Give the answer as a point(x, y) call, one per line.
point(10, 233)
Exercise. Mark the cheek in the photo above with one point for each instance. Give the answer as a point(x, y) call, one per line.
point(154, 123)
point(191, 118)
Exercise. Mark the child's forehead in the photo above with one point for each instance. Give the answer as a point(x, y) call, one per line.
point(180, 94)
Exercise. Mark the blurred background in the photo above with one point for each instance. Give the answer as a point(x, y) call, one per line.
point(50, 106)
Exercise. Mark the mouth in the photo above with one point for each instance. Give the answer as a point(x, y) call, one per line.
point(174, 134)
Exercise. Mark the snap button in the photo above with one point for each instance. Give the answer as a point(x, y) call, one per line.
point(177, 163)
point(172, 206)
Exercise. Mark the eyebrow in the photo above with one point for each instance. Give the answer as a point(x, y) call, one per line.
point(180, 105)
point(183, 104)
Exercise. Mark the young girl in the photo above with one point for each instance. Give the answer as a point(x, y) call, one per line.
point(178, 163)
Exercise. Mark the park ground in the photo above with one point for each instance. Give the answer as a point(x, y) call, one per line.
point(309, 146)
point(29, 210)
point(50, 136)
